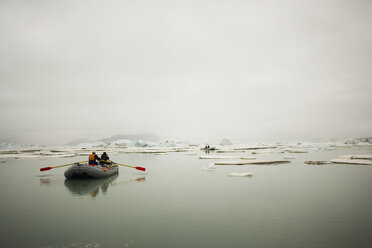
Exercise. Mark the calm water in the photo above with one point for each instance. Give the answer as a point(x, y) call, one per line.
point(177, 204)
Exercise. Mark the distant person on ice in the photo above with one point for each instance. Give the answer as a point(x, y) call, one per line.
point(93, 159)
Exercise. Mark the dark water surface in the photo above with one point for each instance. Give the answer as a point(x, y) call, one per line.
point(177, 204)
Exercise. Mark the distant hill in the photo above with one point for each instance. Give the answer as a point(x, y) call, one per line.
point(79, 141)
point(144, 136)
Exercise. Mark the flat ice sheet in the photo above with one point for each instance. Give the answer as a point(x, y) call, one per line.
point(252, 162)
point(351, 161)
point(244, 174)
point(225, 157)
point(364, 156)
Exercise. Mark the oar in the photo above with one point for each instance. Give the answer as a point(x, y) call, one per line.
point(135, 167)
point(49, 168)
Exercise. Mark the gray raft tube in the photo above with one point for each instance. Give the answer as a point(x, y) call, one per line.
point(87, 171)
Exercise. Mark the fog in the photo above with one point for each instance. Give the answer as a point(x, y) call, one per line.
point(185, 70)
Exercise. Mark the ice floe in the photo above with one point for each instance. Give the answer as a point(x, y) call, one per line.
point(230, 151)
point(267, 151)
point(294, 151)
point(254, 148)
point(351, 161)
point(365, 159)
point(8, 150)
point(225, 157)
point(317, 162)
point(244, 174)
point(364, 156)
point(241, 162)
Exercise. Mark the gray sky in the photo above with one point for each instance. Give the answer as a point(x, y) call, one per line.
point(186, 70)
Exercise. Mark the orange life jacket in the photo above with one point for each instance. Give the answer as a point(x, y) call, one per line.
point(92, 157)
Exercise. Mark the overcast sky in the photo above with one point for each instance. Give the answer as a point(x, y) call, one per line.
point(198, 70)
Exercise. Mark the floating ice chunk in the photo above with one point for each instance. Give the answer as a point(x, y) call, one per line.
point(56, 154)
point(244, 174)
point(317, 162)
point(294, 151)
point(218, 157)
point(351, 141)
point(168, 143)
point(254, 147)
point(225, 157)
point(266, 152)
point(9, 152)
point(142, 150)
point(228, 151)
point(351, 161)
point(178, 149)
point(122, 142)
point(91, 145)
point(20, 155)
point(365, 156)
point(9, 146)
point(252, 162)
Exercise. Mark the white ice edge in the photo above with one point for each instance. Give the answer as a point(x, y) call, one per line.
point(237, 174)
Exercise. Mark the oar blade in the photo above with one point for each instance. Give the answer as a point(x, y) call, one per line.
point(140, 168)
point(46, 168)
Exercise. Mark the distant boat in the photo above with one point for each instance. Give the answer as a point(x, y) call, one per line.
point(208, 148)
point(91, 171)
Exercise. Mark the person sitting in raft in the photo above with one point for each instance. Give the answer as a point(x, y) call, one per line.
point(93, 159)
point(105, 159)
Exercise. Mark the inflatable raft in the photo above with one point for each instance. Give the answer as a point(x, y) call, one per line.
point(94, 171)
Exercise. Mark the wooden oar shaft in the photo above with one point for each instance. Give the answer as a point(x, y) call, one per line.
point(135, 167)
point(126, 165)
point(49, 168)
point(68, 164)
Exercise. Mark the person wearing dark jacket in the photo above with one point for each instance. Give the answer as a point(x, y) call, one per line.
point(104, 156)
point(105, 159)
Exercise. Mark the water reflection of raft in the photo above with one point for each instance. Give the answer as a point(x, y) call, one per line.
point(86, 170)
point(85, 186)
